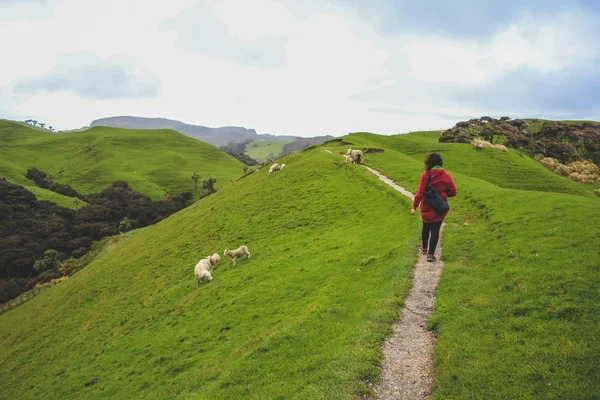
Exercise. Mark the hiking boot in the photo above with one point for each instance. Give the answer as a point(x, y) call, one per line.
point(431, 258)
point(423, 250)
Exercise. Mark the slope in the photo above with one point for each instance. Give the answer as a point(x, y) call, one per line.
point(516, 313)
point(261, 150)
point(154, 162)
point(332, 252)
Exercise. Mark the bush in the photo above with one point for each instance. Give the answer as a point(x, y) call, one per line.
point(9, 289)
point(79, 252)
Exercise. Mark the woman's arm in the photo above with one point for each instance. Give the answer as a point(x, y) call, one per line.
point(420, 191)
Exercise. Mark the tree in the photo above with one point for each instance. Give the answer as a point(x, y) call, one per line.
point(51, 128)
point(209, 184)
point(34, 122)
point(42, 125)
point(76, 201)
point(125, 225)
point(196, 177)
point(50, 261)
point(245, 169)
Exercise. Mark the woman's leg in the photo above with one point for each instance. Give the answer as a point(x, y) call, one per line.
point(435, 236)
point(425, 234)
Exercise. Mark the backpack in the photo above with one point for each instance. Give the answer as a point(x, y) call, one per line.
point(434, 198)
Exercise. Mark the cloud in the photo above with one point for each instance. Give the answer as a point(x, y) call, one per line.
point(458, 19)
point(202, 30)
point(526, 92)
point(92, 77)
point(299, 68)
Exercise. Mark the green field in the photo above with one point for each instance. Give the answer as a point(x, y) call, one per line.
point(45, 194)
point(154, 162)
point(262, 149)
point(332, 255)
point(302, 318)
point(516, 313)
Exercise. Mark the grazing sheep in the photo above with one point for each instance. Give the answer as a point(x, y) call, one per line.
point(204, 266)
point(202, 270)
point(236, 253)
point(215, 259)
point(282, 166)
point(274, 167)
point(355, 156)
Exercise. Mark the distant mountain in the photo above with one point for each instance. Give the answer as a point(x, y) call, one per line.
point(215, 136)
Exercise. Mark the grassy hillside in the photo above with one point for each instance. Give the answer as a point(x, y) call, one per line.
point(260, 150)
point(154, 162)
point(332, 253)
point(516, 313)
point(512, 170)
point(45, 194)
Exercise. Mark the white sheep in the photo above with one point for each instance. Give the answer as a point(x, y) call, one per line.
point(215, 259)
point(355, 156)
point(274, 167)
point(239, 252)
point(202, 270)
point(282, 166)
point(204, 266)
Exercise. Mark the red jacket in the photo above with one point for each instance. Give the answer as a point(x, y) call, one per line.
point(443, 183)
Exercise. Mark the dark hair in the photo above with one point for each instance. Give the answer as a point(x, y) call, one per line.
point(432, 160)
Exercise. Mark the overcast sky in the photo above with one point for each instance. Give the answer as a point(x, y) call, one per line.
point(299, 67)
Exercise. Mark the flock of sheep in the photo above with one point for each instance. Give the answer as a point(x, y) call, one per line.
point(203, 269)
point(276, 167)
point(206, 265)
point(353, 156)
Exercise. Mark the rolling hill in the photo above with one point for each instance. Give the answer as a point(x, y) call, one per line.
point(154, 162)
point(215, 136)
point(332, 253)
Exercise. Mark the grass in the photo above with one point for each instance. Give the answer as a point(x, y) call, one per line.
point(516, 313)
point(262, 149)
point(61, 200)
point(332, 254)
point(154, 162)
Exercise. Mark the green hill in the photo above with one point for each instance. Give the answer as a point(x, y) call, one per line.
point(332, 253)
point(260, 150)
point(516, 313)
point(155, 162)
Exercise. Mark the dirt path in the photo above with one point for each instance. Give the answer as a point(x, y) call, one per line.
point(408, 353)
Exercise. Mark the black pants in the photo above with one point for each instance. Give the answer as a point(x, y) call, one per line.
point(432, 228)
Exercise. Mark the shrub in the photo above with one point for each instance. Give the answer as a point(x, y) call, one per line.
point(50, 261)
point(580, 171)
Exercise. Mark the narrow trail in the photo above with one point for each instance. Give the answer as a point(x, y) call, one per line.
point(408, 353)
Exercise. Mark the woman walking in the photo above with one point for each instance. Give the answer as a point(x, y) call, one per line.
point(435, 176)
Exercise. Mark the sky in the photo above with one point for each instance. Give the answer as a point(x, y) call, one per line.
point(299, 67)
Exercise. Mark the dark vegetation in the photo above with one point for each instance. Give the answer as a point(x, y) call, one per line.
point(237, 150)
point(566, 142)
point(36, 236)
point(46, 181)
